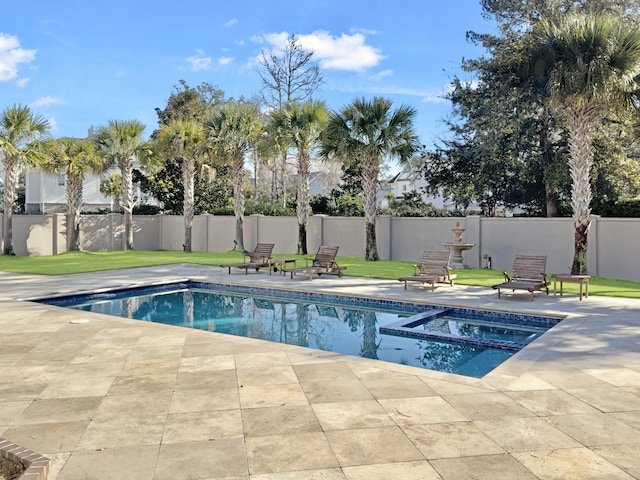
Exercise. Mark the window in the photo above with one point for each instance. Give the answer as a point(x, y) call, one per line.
point(61, 179)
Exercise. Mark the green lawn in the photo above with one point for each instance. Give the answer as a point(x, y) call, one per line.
point(79, 262)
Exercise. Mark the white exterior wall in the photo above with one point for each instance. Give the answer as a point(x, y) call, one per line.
point(43, 194)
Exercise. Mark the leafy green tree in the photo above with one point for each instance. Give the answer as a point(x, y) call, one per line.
point(301, 126)
point(23, 141)
point(112, 187)
point(120, 143)
point(368, 132)
point(231, 131)
point(587, 64)
point(75, 158)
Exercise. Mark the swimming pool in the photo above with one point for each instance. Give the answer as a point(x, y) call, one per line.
point(449, 339)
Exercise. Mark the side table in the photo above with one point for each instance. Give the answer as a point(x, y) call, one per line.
point(581, 279)
point(274, 262)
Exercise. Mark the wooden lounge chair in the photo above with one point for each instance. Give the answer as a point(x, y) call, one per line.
point(257, 259)
point(324, 262)
point(433, 269)
point(528, 274)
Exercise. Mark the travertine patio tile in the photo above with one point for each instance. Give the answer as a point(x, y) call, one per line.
point(272, 395)
point(352, 415)
point(279, 420)
point(39, 373)
point(334, 372)
point(404, 470)
point(520, 382)
point(266, 375)
point(336, 391)
point(17, 391)
point(595, 430)
point(209, 459)
point(47, 437)
point(291, 452)
point(9, 411)
point(60, 410)
point(448, 440)
point(570, 464)
point(525, 434)
point(150, 384)
point(92, 370)
point(122, 431)
point(445, 387)
point(214, 380)
point(207, 363)
point(487, 406)
point(202, 426)
point(620, 377)
point(551, 402)
point(138, 404)
point(324, 474)
point(367, 446)
point(568, 379)
point(111, 464)
point(608, 399)
point(412, 411)
point(202, 400)
point(257, 360)
point(155, 366)
point(77, 387)
point(625, 457)
point(629, 418)
point(155, 351)
point(494, 467)
point(383, 384)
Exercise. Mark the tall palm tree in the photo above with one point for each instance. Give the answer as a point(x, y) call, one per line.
point(121, 144)
point(366, 133)
point(75, 158)
point(301, 125)
point(23, 141)
point(185, 140)
point(231, 131)
point(587, 65)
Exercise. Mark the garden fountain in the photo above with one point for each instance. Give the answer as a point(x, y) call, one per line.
point(457, 247)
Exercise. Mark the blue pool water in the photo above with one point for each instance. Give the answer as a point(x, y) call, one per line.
point(457, 340)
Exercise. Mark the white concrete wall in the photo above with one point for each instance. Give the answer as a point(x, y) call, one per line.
point(612, 250)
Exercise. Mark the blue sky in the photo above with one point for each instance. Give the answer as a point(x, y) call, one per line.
point(81, 63)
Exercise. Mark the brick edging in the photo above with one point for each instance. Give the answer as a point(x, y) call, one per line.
point(37, 466)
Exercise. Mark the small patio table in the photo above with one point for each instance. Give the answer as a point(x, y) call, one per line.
point(274, 262)
point(581, 279)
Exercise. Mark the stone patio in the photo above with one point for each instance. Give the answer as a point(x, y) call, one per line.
point(111, 398)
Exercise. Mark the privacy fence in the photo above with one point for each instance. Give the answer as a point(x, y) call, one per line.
point(613, 242)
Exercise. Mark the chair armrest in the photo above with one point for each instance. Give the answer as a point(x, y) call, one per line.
point(507, 278)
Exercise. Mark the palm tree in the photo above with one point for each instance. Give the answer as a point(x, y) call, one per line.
point(75, 158)
point(23, 141)
point(120, 142)
point(301, 125)
point(365, 133)
point(232, 130)
point(185, 140)
point(587, 65)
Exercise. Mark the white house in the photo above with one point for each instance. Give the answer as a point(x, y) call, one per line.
point(409, 179)
point(47, 193)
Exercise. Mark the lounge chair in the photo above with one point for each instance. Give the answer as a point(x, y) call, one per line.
point(324, 262)
point(528, 274)
point(257, 259)
point(433, 269)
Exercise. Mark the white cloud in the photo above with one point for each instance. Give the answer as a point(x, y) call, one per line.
point(49, 100)
point(225, 60)
point(199, 61)
point(346, 52)
point(231, 22)
point(425, 95)
point(12, 55)
point(381, 75)
point(22, 81)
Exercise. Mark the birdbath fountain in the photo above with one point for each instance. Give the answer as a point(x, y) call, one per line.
point(457, 247)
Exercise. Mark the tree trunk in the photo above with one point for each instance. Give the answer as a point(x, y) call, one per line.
point(581, 122)
point(188, 173)
point(11, 170)
point(127, 201)
point(238, 200)
point(551, 195)
point(302, 206)
point(369, 186)
point(74, 203)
